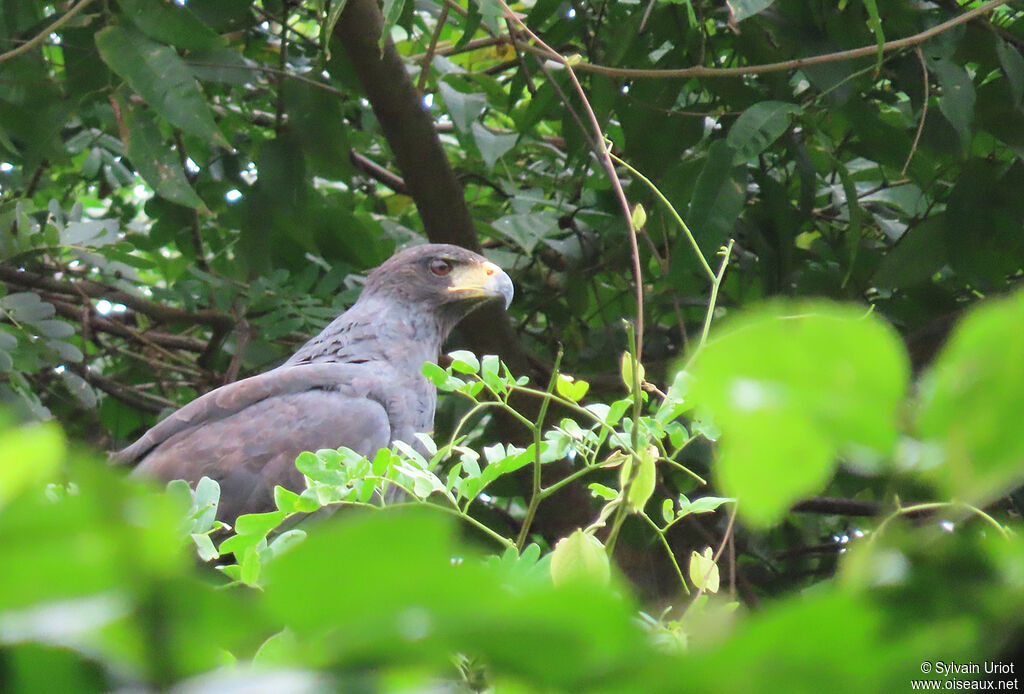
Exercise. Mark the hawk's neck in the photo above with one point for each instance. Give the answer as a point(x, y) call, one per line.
point(376, 331)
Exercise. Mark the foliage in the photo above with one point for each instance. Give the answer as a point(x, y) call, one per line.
point(98, 584)
point(189, 190)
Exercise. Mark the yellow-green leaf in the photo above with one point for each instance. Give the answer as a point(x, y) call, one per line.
point(704, 571)
point(579, 557)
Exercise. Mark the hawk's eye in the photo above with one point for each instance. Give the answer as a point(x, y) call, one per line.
point(440, 267)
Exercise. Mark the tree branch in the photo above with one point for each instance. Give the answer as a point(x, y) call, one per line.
point(701, 71)
point(422, 160)
point(95, 290)
point(42, 36)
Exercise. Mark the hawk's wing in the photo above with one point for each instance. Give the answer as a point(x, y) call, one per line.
point(246, 435)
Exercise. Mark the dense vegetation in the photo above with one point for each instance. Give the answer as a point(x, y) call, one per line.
point(752, 422)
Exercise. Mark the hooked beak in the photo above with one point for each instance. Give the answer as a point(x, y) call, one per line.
point(484, 281)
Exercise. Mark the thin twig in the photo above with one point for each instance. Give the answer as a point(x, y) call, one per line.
point(42, 36)
point(714, 295)
point(604, 154)
point(924, 111)
point(428, 57)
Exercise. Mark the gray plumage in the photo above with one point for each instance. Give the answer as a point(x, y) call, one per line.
point(356, 384)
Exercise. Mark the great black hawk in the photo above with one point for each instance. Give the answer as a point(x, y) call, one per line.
point(357, 384)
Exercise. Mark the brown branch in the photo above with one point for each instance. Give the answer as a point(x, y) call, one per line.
point(97, 322)
point(141, 400)
point(377, 172)
point(95, 290)
point(845, 507)
point(701, 71)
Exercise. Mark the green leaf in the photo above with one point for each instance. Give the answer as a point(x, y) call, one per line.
point(1013, 67)
point(706, 504)
point(626, 371)
point(330, 21)
point(703, 571)
point(54, 328)
point(668, 511)
point(285, 499)
point(221, 65)
point(920, 253)
point(490, 370)
point(80, 388)
point(757, 128)
point(283, 542)
point(161, 78)
point(492, 145)
point(29, 456)
point(464, 362)
point(602, 492)
point(258, 524)
point(570, 388)
point(170, 23)
point(742, 9)
point(392, 11)
point(970, 403)
point(717, 200)
point(206, 501)
point(204, 546)
point(580, 557)
point(92, 233)
point(434, 373)
point(26, 307)
point(792, 386)
point(639, 217)
point(875, 25)
point(463, 108)
point(527, 229)
point(958, 93)
point(642, 488)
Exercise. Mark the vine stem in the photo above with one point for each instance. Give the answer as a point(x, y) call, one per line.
point(934, 506)
point(714, 295)
point(672, 211)
point(604, 154)
point(538, 428)
point(623, 508)
point(668, 550)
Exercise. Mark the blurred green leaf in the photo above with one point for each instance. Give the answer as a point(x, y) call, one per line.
point(970, 403)
point(29, 456)
point(792, 386)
